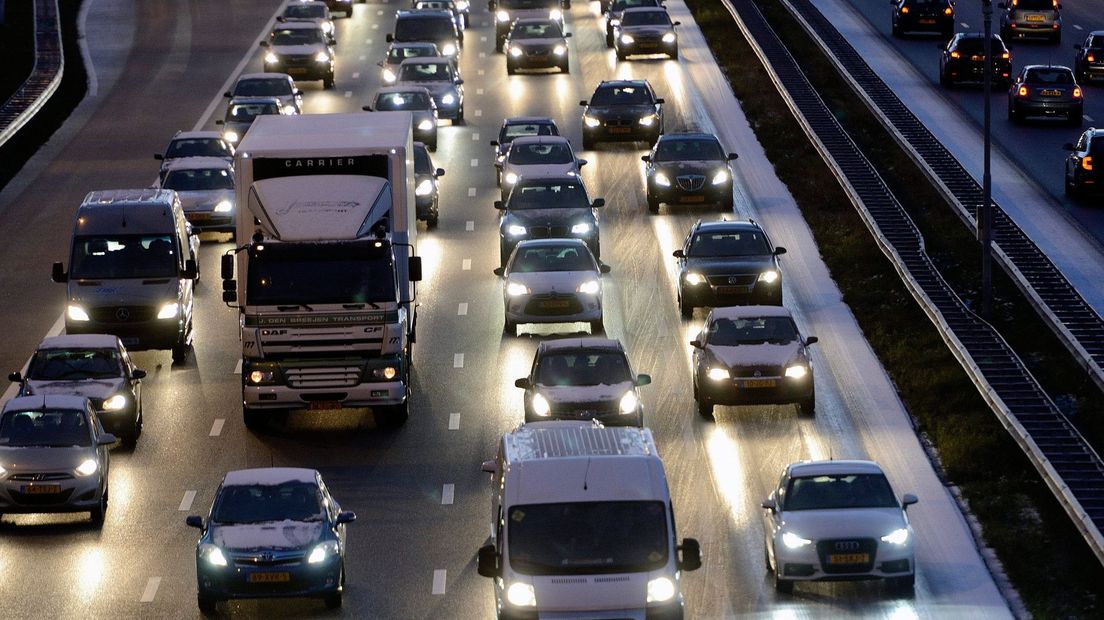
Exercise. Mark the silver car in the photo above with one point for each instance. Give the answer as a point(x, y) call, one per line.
point(537, 156)
point(241, 112)
point(53, 457)
point(279, 85)
point(206, 189)
point(441, 78)
point(195, 144)
point(416, 100)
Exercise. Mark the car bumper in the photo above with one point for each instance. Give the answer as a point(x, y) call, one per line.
point(975, 72)
point(1047, 108)
point(235, 581)
point(670, 611)
point(538, 308)
point(706, 295)
point(645, 47)
point(204, 221)
point(76, 494)
point(808, 564)
point(540, 61)
point(622, 133)
point(136, 336)
point(1034, 29)
point(738, 391)
point(676, 194)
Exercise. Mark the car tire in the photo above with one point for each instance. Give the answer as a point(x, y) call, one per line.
point(783, 586)
point(432, 146)
point(207, 605)
point(498, 44)
point(129, 439)
point(99, 513)
point(620, 55)
point(459, 120)
point(467, 20)
point(509, 328)
point(609, 38)
point(674, 53)
point(896, 30)
point(685, 309)
point(253, 418)
point(393, 416)
point(588, 143)
point(705, 409)
point(945, 80)
point(807, 407)
point(180, 352)
point(328, 82)
point(728, 204)
point(597, 327)
point(565, 67)
point(431, 221)
point(653, 204)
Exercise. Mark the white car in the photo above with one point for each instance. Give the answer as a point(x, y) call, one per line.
point(441, 78)
point(206, 189)
point(838, 521)
point(315, 12)
point(552, 281)
point(537, 156)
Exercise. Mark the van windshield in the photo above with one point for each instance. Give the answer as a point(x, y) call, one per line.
point(310, 273)
point(425, 28)
point(124, 256)
point(575, 539)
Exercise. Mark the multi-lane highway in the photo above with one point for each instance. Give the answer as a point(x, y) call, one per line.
point(421, 501)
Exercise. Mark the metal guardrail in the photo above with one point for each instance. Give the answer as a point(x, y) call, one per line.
point(45, 77)
point(1077, 325)
point(1067, 463)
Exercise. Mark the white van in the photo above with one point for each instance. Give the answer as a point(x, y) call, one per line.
point(133, 263)
point(583, 526)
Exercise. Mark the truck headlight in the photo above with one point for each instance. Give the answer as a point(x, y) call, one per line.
point(449, 49)
point(271, 58)
point(448, 99)
point(793, 541)
point(629, 402)
point(694, 278)
point(590, 121)
point(797, 371)
point(115, 403)
point(76, 313)
point(521, 595)
point(559, 50)
point(590, 287)
point(896, 537)
point(515, 230)
point(660, 589)
point(669, 37)
point(514, 289)
point(389, 76)
point(718, 374)
point(424, 188)
point(662, 180)
point(502, 16)
point(257, 377)
point(168, 310)
point(581, 228)
point(426, 124)
point(722, 176)
point(212, 555)
point(387, 372)
point(510, 178)
point(322, 57)
point(224, 206)
point(515, 51)
point(648, 120)
point(769, 276)
point(87, 468)
point(627, 39)
point(540, 405)
point(323, 551)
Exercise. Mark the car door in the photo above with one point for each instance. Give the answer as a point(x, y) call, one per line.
point(134, 383)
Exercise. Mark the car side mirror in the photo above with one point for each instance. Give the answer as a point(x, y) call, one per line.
point(106, 439)
point(489, 467)
point(567, 35)
point(281, 18)
point(660, 101)
point(58, 274)
point(15, 377)
point(732, 156)
point(366, 108)
point(676, 23)
point(263, 43)
point(811, 340)
point(580, 162)
point(346, 516)
point(498, 271)
point(697, 344)
point(414, 264)
point(440, 172)
point(159, 157)
point(488, 562)
point(604, 268)
point(220, 122)
point(643, 380)
point(908, 499)
point(389, 38)
point(583, 102)
point(191, 272)
point(137, 373)
point(769, 505)
point(523, 383)
point(678, 254)
point(1068, 146)
point(598, 203)
point(498, 204)
point(779, 251)
point(195, 521)
point(459, 81)
point(690, 551)
point(494, 142)
point(227, 94)
point(645, 158)
point(297, 92)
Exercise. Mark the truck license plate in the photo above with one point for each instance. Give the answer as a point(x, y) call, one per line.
point(323, 405)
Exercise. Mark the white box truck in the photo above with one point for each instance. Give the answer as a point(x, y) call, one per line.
point(582, 526)
point(326, 279)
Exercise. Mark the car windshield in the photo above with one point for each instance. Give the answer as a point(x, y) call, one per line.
point(1056, 76)
point(1095, 42)
point(761, 330)
point(246, 112)
point(305, 11)
point(516, 130)
point(1034, 5)
point(621, 95)
point(436, 5)
point(555, 195)
point(567, 368)
point(535, 154)
point(424, 28)
point(645, 18)
point(261, 87)
point(425, 71)
point(1096, 147)
point(621, 5)
point(926, 3)
point(321, 273)
point(398, 54)
point(124, 256)
point(530, 259)
point(536, 30)
point(422, 163)
point(74, 364)
point(198, 147)
point(198, 180)
point(729, 243)
point(586, 538)
point(51, 428)
point(839, 491)
point(297, 36)
point(259, 503)
point(402, 101)
point(689, 149)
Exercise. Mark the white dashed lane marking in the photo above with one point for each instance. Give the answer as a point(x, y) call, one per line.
point(439, 581)
point(186, 503)
point(1087, 118)
point(364, 58)
point(469, 225)
point(216, 428)
point(475, 162)
point(479, 91)
point(356, 75)
point(471, 192)
point(465, 265)
point(483, 39)
point(462, 309)
point(482, 54)
point(458, 360)
point(237, 368)
point(448, 493)
point(480, 72)
point(475, 136)
point(348, 94)
point(150, 592)
point(454, 421)
point(1078, 27)
point(479, 112)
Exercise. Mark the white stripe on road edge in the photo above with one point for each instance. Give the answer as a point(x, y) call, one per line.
point(150, 592)
point(462, 309)
point(471, 192)
point(483, 39)
point(475, 162)
point(458, 360)
point(439, 581)
point(454, 421)
point(475, 137)
point(216, 428)
point(237, 368)
point(465, 264)
point(448, 493)
point(470, 225)
point(186, 503)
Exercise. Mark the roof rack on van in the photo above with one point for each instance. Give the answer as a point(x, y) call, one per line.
point(545, 440)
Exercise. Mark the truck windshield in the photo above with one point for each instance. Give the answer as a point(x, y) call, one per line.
point(310, 273)
point(576, 539)
point(124, 256)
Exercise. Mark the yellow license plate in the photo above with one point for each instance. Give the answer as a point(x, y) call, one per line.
point(325, 405)
point(692, 199)
point(1034, 18)
point(558, 304)
point(927, 21)
point(760, 383)
point(1052, 93)
point(41, 489)
point(296, 70)
point(619, 129)
point(269, 577)
point(849, 558)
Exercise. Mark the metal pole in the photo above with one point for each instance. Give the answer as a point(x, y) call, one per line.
point(985, 215)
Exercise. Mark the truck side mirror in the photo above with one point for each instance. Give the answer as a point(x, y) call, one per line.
point(643, 380)
point(227, 267)
point(191, 272)
point(778, 251)
point(488, 561)
point(58, 273)
point(15, 377)
point(523, 383)
point(414, 264)
point(691, 554)
point(138, 373)
point(195, 521)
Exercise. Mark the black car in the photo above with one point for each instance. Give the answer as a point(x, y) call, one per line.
point(548, 207)
point(1083, 165)
point(416, 100)
point(688, 168)
point(1042, 90)
point(1031, 18)
point(963, 60)
point(645, 30)
point(537, 43)
point(506, 12)
point(728, 263)
point(1089, 62)
point(425, 186)
point(622, 110)
point(345, 6)
point(613, 13)
point(428, 25)
point(923, 16)
point(520, 126)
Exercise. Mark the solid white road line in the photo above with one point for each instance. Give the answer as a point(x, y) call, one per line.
point(216, 428)
point(465, 265)
point(479, 91)
point(356, 75)
point(471, 192)
point(480, 72)
point(439, 581)
point(348, 94)
point(469, 225)
point(448, 494)
point(186, 503)
point(150, 592)
point(458, 360)
point(462, 309)
point(454, 421)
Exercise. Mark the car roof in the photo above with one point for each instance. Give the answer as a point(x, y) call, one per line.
point(1064, 68)
point(416, 13)
point(688, 135)
point(615, 83)
point(561, 344)
point(540, 140)
point(243, 100)
point(297, 25)
point(193, 135)
point(267, 75)
point(80, 341)
point(47, 401)
point(269, 476)
point(426, 59)
point(199, 163)
point(833, 468)
point(749, 312)
point(729, 225)
point(643, 9)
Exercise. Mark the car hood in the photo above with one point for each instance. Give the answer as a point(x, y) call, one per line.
point(88, 388)
point(553, 281)
point(850, 523)
point(621, 111)
point(540, 170)
point(549, 217)
point(586, 393)
point(124, 292)
point(646, 30)
point(754, 354)
point(298, 50)
point(269, 535)
point(30, 460)
point(730, 264)
point(204, 200)
point(436, 88)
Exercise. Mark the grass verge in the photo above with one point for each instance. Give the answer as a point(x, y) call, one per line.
point(1047, 560)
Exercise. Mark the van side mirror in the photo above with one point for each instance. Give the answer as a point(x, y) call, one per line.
point(643, 380)
point(498, 204)
point(908, 499)
point(779, 250)
point(523, 383)
point(195, 521)
point(690, 551)
point(811, 340)
point(488, 562)
point(138, 373)
point(191, 272)
point(346, 516)
point(227, 267)
point(678, 254)
point(15, 377)
point(598, 202)
point(58, 273)
point(732, 156)
point(414, 263)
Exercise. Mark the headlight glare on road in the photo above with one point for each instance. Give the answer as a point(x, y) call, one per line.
point(515, 229)
point(510, 178)
point(669, 37)
point(769, 276)
point(212, 555)
point(540, 405)
point(502, 16)
point(271, 58)
point(322, 551)
point(448, 99)
point(424, 188)
point(515, 51)
point(224, 206)
point(627, 39)
point(76, 313)
point(661, 180)
point(793, 541)
point(797, 371)
point(648, 120)
point(718, 374)
point(559, 50)
point(629, 402)
point(168, 310)
point(322, 57)
point(115, 403)
point(897, 537)
point(389, 76)
point(514, 289)
point(449, 49)
point(694, 278)
point(660, 589)
point(581, 228)
point(590, 287)
point(721, 176)
point(521, 595)
point(88, 467)
point(590, 121)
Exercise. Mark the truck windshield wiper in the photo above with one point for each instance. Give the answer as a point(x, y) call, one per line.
point(294, 307)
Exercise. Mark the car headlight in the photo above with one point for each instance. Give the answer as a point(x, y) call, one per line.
point(327, 27)
point(521, 595)
point(448, 99)
point(590, 121)
point(212, 555)
point(581, 228)
point(793, 541)
point(462, 5)
point(515, 230)
point(769, 277)
point(796, 371)
point(694, 278)
point(718, 374)
point(115, 403)
point(590, 287)
point(897, 537)
point(627, 39)
point(540, 405)
point(615, 22)
point(322, 551)
point(559, 50)
point(76, 313)
point(513, 289)
point(510, 178)
point(555, 14)
point(722, 176)
point(224, 206)
point(661, 180)
point(271, 58)
point(629, 402)
point(669, 37)
point(288, 110)
point(449, 49)
point(168, 310)
point(231, 136)
point(648, 120)
point(424, 188)
point(426, 125)
point(502, 16)
point(389, 76)
point(515, 51)
point(322, 57)
point(660, 589)
point(258, 377)
point(88, 467)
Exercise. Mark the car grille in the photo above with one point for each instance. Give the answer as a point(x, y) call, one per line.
point(546, 232)
point(122, 314)
point(826, 548)
point(586, 409)
point(269, 559)
point(298, 59)
point(343, 376)
point(538, 51)
point(741, 279)
point(690, 182)
point(621, 122)
point(537, 305)
point(41, 499)
point(40, 477)
point(750, 371)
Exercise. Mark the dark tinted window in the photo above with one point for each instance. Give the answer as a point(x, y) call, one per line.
point(536, 30)
point(620, 5)
point(976, 45)
point(554, 195)
point(258, 503)
point(55, 428)
point(261, 87)
point(621, 95)
point(1096, 146)
point(198, 180)
point(279, 277)
point(74, 365)
point(531, 154)
point(305, 11)
point(564, 368)
point(398, 54)
point(762, 330)
point(1095, 42)
point(425, 71)
point(528, 4)
point(297, 36)
point(729, 243)
point(246, 112)
point(1049, 76)
point(839, 492)
point(552, 258)
point(677, 149)
point(425, 28)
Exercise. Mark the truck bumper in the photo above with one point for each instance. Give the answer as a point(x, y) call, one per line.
point(374, 394)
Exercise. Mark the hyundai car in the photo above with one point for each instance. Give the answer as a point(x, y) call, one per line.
point(613, 14)
point(520, 126)
point(530, 156)
point(506, 11)
point(1031, 18)
point(315, 12)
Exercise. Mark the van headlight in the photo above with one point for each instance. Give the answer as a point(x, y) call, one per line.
point(514, 289)
point(797, 371)
point(424, 188)
point(76, 313)
point(502, 16)
point(590, 287)
point(449, 49)
point(694, 279)
point(627, 39)
point(660, 589)
point(515, 51)
point(793, 541)
point(168, 310)
point(540, 405)
point(629, 402)
point(769, 276)
point(261, 377)
point(212, 555)
point(722, 176)
point(718, 374)
point(661, 180)
point(389, 76)
point(590, 121)
point(322, 57)
point(897, 537)
point(669, 37)
point(521, 595)
point(581, 228)
point(323, 551)
point(559, 50)
point(224, 206)
point(271, 58)
point(88, 467)
point(115, 403)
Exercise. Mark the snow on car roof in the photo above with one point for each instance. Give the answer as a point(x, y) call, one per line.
point(192, 135)
point(199, 163)
point(261, 76)
point(580, 343)
point(829, 468)
point(79, 341)
point(523, 140)
point(746, 312)
point(48, 401)
point(269, 476)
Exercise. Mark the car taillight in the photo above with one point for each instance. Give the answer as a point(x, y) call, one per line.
point(956, 55)
point(1023, 91)
point(1086, 162)
point(904, 9)
point(1006, 55)
point(1076, 92)
point(1090, 58)
point(948, 11)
